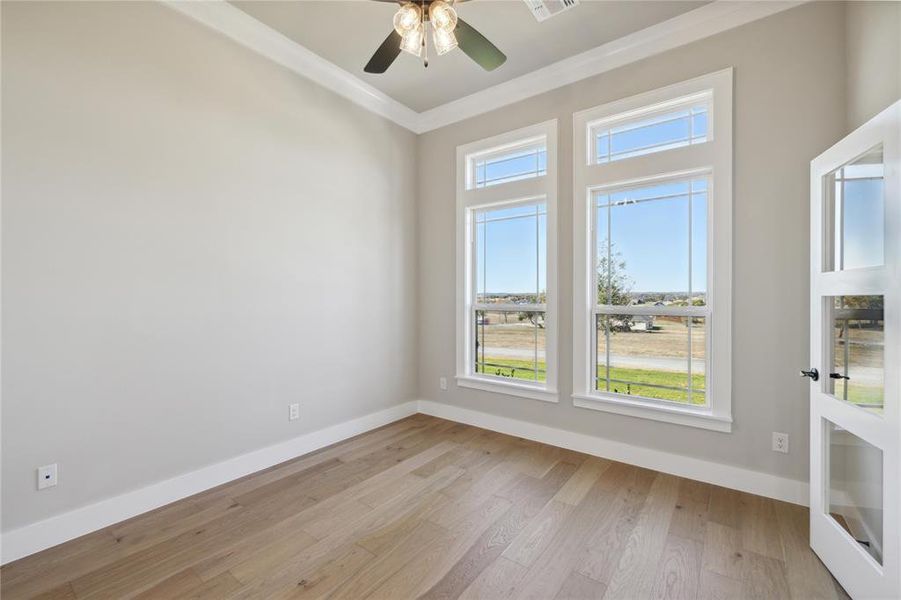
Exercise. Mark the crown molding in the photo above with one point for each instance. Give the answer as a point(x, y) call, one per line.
point(233, 22)
point(700, 23)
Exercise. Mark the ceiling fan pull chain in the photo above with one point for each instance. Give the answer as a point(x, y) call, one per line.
point(425, 37)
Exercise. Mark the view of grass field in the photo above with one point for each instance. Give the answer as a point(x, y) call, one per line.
point(858, 354)
point(650, 363)
point(622, 380)
point(651, 256)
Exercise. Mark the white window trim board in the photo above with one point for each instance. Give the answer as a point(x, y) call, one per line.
point(714, 157)
point(545, 187)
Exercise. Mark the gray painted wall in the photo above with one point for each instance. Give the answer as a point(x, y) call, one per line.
point(873, 58)
point(164, 301)
point(789, 107)
point(189, 234)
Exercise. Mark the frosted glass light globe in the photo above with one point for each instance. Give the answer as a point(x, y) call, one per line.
point(445, 40)
point(407, 18)
point(442, 15)
point(412, 41)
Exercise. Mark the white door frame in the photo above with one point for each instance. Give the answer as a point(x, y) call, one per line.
point(858, 572)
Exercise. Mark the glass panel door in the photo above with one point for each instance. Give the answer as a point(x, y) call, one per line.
point(855, 307)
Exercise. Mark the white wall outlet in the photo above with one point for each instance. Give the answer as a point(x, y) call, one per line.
point(780, 442)
point(293, 412)
point(442, 383)
point(47, 476)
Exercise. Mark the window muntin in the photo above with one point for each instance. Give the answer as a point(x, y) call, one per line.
point(623, 366)
point(511, 254)
point(510, 291)
point(655, 129)
point(494, 167)
point(510, 344)
point(651, 313)
point(653, 237)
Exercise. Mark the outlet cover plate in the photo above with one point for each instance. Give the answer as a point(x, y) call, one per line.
point(47, 476)
point(780, 442)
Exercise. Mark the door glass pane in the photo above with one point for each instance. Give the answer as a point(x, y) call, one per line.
point(510, 344)
point(855, 488)
point(856, 213)
point(858, 340)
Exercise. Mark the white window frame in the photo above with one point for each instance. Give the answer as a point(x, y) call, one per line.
point(541, 188)
point(711, 159)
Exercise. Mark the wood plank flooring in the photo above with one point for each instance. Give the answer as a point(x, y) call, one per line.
point(427, 508)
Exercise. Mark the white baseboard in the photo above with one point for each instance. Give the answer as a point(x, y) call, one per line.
point(737, 478)
point(44, 534)
point(47, 533)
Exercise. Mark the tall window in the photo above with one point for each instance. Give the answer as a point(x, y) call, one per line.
point(652, 227)
point(506, 340)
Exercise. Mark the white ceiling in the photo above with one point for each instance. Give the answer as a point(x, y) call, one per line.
point(347, 32)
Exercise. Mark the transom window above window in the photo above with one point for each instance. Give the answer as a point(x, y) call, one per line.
point(503, 165)
point(675, 124)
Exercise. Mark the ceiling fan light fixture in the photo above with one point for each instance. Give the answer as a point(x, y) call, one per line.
point(407, 18)
point(445, 40)
point(411, 41)
point(442, 16)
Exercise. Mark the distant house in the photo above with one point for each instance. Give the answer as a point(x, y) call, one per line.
point(642, 323)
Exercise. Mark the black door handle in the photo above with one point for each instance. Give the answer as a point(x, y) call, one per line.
point(813, 374)
point(838, 376)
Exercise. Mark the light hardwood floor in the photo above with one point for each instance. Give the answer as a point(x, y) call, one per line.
point(434, 509)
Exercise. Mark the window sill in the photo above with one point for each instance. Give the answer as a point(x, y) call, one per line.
point(657, 412)
point(508, 388)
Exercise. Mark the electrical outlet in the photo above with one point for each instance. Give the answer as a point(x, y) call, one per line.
point(442, 383)
point(293, 412)
point(47, 476)
point(780, 442)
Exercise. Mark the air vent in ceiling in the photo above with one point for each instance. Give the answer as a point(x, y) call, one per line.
point(544, 9)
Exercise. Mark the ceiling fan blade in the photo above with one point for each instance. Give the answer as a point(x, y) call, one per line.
point(385, 54)
point(477, 47)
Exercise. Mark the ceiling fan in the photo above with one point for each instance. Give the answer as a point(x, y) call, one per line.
point(411, 24)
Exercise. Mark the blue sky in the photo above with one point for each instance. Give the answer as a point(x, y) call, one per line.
point(863, 223)
point(652, 236)
point(516, 251)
